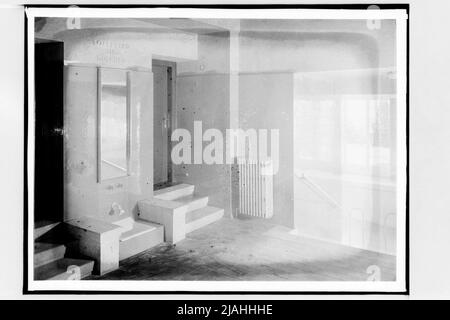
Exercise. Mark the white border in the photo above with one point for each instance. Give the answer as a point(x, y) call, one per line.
point(217, 13)
point(30, 150)
point(232, 286)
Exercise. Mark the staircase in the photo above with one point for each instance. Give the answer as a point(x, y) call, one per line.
point(180, 210)
point(50, 263)
point(168, 216)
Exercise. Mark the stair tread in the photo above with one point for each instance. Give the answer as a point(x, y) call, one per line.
point(93, 225)
point(190, 198)
point(58, 269)
point(143, 236)
point(201, 213)
point(170, 193)
point(172, 188)
point(43, 227)
point(139, 227)
point(46, 252)
point(44, 246)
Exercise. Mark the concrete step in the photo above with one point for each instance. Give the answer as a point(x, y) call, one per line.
point(64, 269)
point(43, 227)
point(193, 201)
point(142, 236)
point(202, 217)
point(174, 192)
point(47, 252)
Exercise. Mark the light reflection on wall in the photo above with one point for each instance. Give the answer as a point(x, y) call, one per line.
point(345, 148)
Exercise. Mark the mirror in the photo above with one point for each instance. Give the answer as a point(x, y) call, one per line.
point(113, 117)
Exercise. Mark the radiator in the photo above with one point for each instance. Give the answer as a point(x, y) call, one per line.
point(256, 188)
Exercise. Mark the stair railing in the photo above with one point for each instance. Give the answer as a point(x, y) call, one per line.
point(318, 190)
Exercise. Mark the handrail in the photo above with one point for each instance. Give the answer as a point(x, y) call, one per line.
point(318, 190)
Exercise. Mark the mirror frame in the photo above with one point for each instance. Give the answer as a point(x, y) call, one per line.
point(99, 125)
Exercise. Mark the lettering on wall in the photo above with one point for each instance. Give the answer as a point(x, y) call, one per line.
point(112, 52)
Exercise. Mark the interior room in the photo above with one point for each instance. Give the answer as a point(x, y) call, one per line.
point(119, 101)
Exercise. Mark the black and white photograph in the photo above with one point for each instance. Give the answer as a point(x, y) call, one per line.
point(224, 149)
point(209, 149)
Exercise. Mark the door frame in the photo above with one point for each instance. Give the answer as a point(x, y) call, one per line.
point(171, 114)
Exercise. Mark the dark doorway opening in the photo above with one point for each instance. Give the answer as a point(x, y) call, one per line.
point(163, 100)
point(49, 132)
